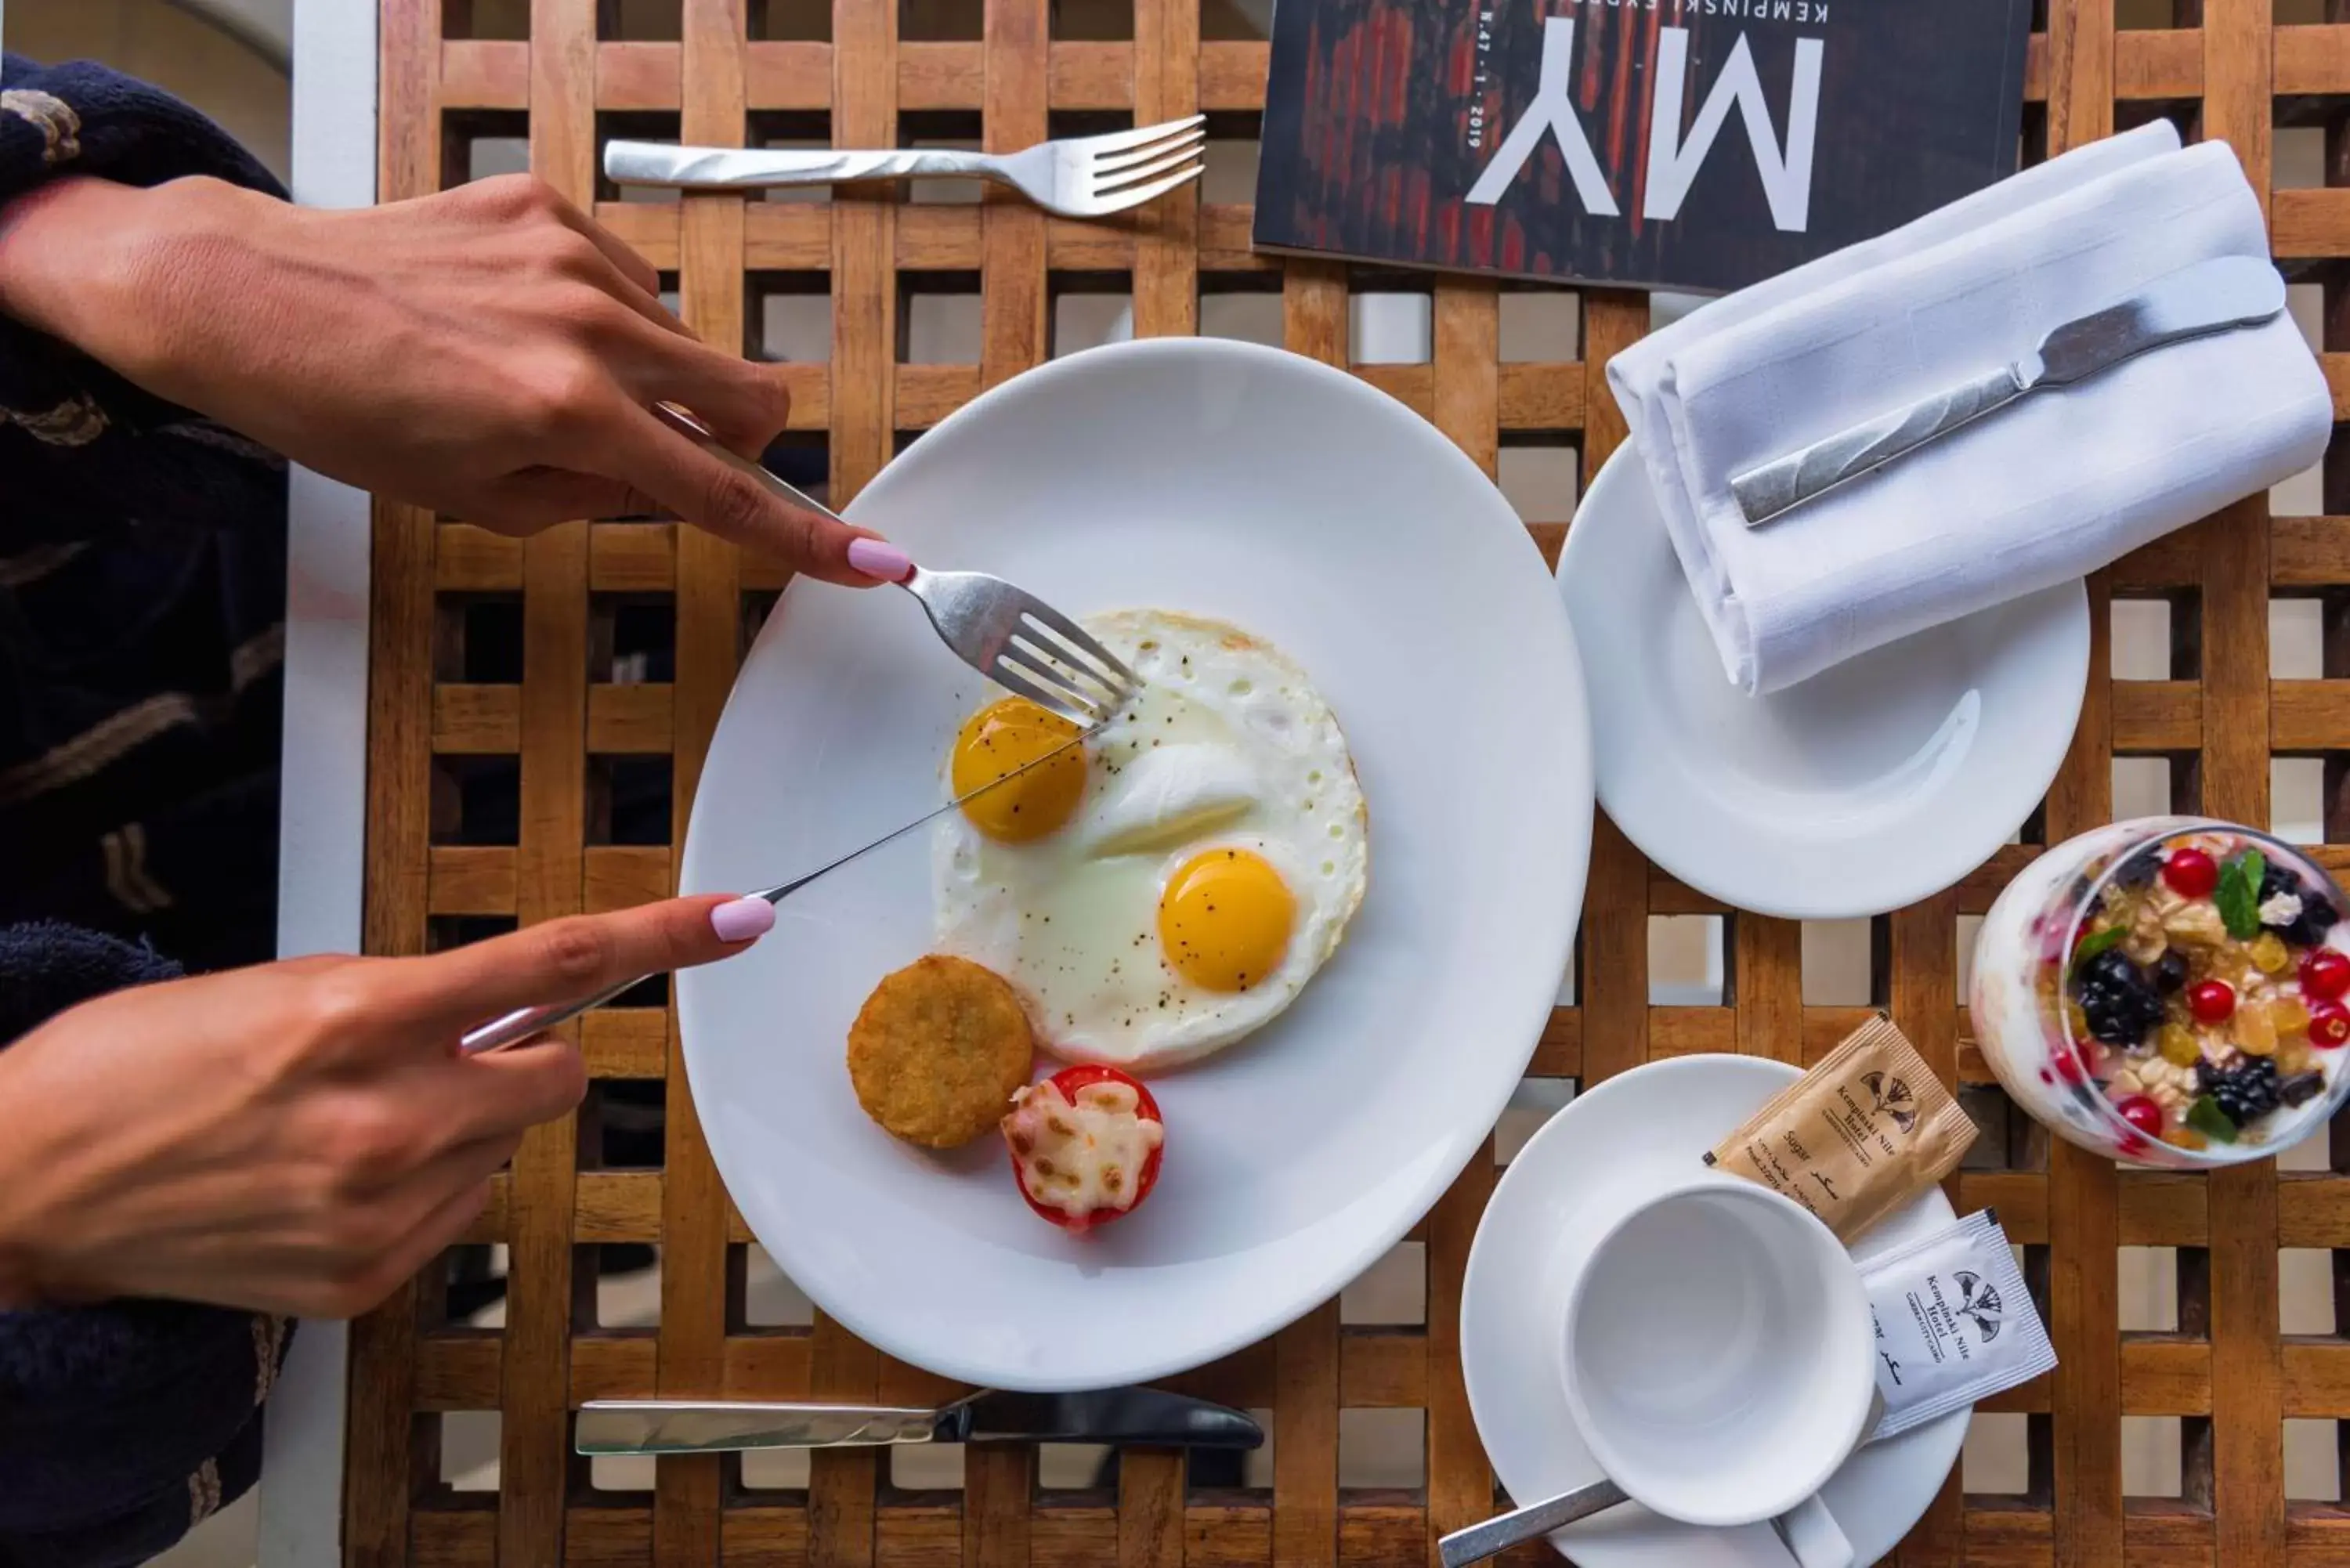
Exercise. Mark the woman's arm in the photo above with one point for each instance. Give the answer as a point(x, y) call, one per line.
point(75, 454)
point(299, 1137)
point(490, 351)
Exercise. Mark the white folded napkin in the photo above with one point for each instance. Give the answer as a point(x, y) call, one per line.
point(2049, 488)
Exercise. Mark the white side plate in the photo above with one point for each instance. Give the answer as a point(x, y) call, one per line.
point(1871, 785)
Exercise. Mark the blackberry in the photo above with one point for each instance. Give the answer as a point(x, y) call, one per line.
point(2120, 1004)
point(2244, 1091)
point(2317, 915)
point(2171, 971)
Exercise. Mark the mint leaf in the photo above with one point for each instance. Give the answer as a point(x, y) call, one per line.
point(2206, 1118)
point(2095, 943)
point(2239, 894)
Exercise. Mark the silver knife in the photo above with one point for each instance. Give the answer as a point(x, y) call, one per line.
point(2210, 296)
point(523, 1022)
point(1147, 1417)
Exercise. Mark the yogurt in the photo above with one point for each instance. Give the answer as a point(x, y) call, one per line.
point(2169, 992)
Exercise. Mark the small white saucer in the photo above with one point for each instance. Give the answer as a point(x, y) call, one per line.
point(1871, 785)
point(1654, 1121)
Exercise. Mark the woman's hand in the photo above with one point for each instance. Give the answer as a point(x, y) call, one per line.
point(301, 1136)
point(490, 351)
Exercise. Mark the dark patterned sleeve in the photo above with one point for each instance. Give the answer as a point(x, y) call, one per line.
point(81, 118)
point(84, 453)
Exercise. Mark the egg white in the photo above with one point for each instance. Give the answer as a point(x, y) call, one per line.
point(1227, 745)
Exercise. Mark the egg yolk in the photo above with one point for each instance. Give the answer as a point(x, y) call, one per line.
point(1225, 919)
point(1002, 738)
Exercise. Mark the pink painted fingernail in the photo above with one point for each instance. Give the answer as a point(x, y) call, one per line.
point(879, 559)
point(743, 919)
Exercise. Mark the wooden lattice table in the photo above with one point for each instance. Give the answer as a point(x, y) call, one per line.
point(539, 714)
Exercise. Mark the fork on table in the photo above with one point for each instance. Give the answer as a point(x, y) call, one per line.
point(1077, 177)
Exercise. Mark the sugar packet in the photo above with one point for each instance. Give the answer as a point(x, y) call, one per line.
point(1859, 1134)
point(1954, 1324)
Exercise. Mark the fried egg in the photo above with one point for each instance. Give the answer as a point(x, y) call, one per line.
point(1170, 886)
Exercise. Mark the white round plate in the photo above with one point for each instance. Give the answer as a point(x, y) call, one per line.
point(1291, 499)
point(1648, 1126)
point(1873, 784)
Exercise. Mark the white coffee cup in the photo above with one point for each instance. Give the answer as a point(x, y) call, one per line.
point(1720, 1357)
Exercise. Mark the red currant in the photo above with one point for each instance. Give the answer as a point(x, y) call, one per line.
point(2142, 1114)
point(2324, 974)
point(2212, 1001)
point(2191, 873)
point(2329, 1025)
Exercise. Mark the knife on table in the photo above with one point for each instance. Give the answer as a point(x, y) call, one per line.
point(2210, 296)
point(1147, 1417)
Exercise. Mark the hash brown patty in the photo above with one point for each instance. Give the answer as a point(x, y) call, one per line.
point(937, 1050)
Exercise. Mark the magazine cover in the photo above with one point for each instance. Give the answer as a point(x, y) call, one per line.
point(1692, 144)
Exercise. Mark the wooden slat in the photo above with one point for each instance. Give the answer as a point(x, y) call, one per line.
point(2310, 223)
point(1149, 1508)
point(1305, 1405)
point(534, 1399)
point(1166, 75)
point(1232, 74)
point(1612, 973)
point(483, 73)
point(789, 237)
point(1925, 1006)
point(624, 1043)
point(629, 720)
point(475, 560)
point(378, 1451)
point(2165, 1376)
point(929, 394)
point(2309, 715)
point(471, 879)
point(2312, 60)
point(864, 348)
point(639, 74)
point(788, 74)
point(693, 1334)
point(476, 720)
point(1535, 396)
point(1466, 386)
point(632, 557)
point(2082, 1199)
point(2157, 715)
point(2313, 1211)
point(2247, 1392)
point(2163, 1210)
point(2308, 552)
point(1013, 336)
point(1225, 240)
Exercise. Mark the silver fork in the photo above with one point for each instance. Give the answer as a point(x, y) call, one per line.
point(1006, 633)
point(1075, 177)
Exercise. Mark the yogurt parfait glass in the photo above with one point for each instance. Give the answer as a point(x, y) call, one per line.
point(2170, 991)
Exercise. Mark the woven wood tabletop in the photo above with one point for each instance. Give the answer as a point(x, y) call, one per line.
point(539, 712)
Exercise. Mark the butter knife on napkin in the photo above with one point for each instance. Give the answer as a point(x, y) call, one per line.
point(2216, 295)
point(1148, 1416)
